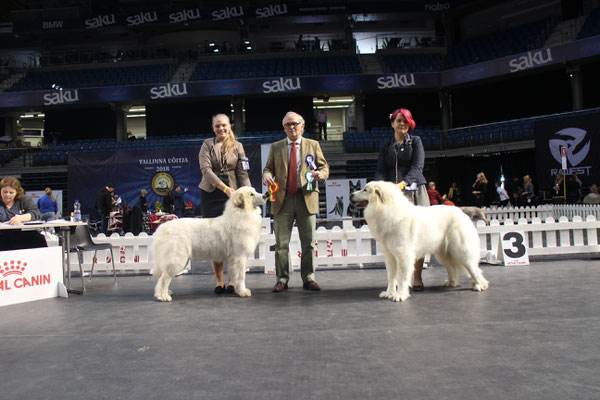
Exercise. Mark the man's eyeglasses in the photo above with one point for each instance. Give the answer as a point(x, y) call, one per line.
point(291, 124)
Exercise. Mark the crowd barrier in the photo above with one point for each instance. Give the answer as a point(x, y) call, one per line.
point(341, 247)
point(542, 212)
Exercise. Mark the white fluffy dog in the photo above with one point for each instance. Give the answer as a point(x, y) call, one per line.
point(232, 237)
point(407, 233)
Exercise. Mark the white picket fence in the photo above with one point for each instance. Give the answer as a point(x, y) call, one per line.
point(347, 246)
point(542, 212)
point(543, 237)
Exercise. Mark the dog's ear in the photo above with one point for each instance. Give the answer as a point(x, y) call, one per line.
point(379, 195)
point(239, 200)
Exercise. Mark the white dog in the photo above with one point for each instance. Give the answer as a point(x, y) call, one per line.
point(232, 237)
point(407, 233)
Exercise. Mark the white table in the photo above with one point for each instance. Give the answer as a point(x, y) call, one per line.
point(64, 228)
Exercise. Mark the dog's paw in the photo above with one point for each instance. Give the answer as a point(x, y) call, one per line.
point(480, 287)
point(400, 297)
point(385, 295)
point(245, 293)
point(450, 284)
point(164, 298)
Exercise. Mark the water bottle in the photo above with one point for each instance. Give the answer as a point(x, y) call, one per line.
point(77, 211)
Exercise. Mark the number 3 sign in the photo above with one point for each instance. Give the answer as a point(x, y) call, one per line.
point(512, 249)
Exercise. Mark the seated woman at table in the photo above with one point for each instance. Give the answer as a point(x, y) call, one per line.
point(16, 208)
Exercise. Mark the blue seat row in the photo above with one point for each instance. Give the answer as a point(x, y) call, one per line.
point(58, 154)
point(69, 79)
point(413, 62)
point(338, 65)
point(591, 27)
point(499, 44)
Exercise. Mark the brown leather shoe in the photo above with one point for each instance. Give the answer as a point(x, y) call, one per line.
point(311, 285)
point(280, 287)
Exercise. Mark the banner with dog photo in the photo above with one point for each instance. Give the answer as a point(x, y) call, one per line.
point(338, 198)
point(579, 135)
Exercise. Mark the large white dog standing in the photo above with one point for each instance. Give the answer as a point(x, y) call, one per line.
point(232, 237)
point(407, 232)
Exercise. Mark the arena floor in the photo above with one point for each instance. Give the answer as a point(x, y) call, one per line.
point(532, 335)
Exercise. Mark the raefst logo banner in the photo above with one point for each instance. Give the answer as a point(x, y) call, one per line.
point(579, 135)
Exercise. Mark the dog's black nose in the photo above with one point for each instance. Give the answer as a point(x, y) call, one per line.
point(265, 195)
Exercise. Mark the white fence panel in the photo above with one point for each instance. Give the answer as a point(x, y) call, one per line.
point(350, 246)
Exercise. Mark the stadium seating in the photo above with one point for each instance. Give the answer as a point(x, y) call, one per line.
point(591, 26)
point(58, 154)
point(306, 66)
point(499, 44)
point(82, 78)
point(403, 63)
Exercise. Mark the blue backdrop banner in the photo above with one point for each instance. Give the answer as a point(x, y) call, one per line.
point(131, 171)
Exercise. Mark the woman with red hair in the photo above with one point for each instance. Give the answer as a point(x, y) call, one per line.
point(401, 160)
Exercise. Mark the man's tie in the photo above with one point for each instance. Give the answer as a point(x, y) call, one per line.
point(292, 182)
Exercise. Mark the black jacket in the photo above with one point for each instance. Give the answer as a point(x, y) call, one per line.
point(399, 162)
point(104, 201)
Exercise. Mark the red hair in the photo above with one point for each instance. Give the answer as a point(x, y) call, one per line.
point(407, 116)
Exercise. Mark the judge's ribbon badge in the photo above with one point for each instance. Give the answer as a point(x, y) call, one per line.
point(272, 190)
point(310, 160)
point(309, 179)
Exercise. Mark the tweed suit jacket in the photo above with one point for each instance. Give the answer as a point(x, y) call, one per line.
point(210, 165)
point(277, 166)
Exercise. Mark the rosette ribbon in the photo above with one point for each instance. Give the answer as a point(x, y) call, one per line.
point(310, 160)
point(309, 179)
point(272, 190)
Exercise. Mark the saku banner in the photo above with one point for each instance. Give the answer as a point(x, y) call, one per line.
point(306, 84)
point(157, 171)
point(580, 135)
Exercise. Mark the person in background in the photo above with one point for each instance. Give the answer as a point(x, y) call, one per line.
point(224, 168)
point(454, 194)
point(16, 208)
point(322, 120)
point(502, 194)
point(296, 164)
point(143, 202)
point(401, 160)
point(434, 195)
point(593, 197)
point(479, 188)
point(104, 204)
point(167, 204)
point(189, 210)
point(515, 190)
point(558, 184)
point(573, 189)
point(47, 206)
point(528, 191)
point(178, 202)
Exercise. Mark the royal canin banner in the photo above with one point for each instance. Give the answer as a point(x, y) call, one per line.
point(31, 274)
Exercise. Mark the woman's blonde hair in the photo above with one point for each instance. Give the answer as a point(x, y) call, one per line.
point(483, 178)
point(15, 184)
point(229, 142)
point(432, 185)
point(144, 192)
point(48, 192)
